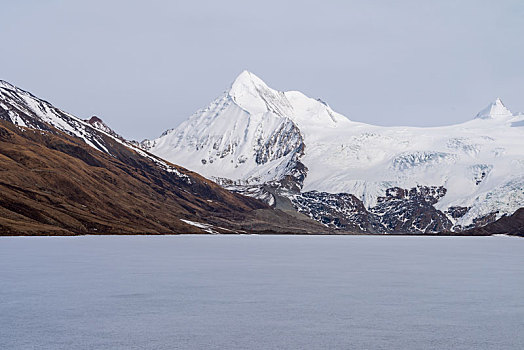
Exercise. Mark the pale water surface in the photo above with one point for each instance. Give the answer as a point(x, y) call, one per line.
point(261, 292)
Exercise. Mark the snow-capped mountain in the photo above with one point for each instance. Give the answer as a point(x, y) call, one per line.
point(295, 151)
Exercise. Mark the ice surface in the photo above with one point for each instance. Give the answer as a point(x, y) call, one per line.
point(261, 292)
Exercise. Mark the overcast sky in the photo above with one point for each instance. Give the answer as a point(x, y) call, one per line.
point(144, 67)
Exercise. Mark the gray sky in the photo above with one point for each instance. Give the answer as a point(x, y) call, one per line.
point(145, 66)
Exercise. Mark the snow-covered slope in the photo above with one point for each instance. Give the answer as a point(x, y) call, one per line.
point(28, 111)
point(253, 135)
point(20, 107)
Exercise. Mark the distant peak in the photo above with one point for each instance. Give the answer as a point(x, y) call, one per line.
point(494, 110)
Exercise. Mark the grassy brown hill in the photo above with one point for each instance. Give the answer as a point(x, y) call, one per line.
point(53, 183)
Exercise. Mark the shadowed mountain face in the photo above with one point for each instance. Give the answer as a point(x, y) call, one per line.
point(61, 175)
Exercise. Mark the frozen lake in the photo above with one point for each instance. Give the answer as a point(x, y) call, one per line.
point(261, 292)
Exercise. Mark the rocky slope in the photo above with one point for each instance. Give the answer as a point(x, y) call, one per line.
point(291, 150)
point(510, 225)
point(63, 175)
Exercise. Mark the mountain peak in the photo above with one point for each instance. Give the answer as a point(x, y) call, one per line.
point(246, 81)
point(253, 95)
point(99, 124)
point(494, 110)
point(94, 119)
